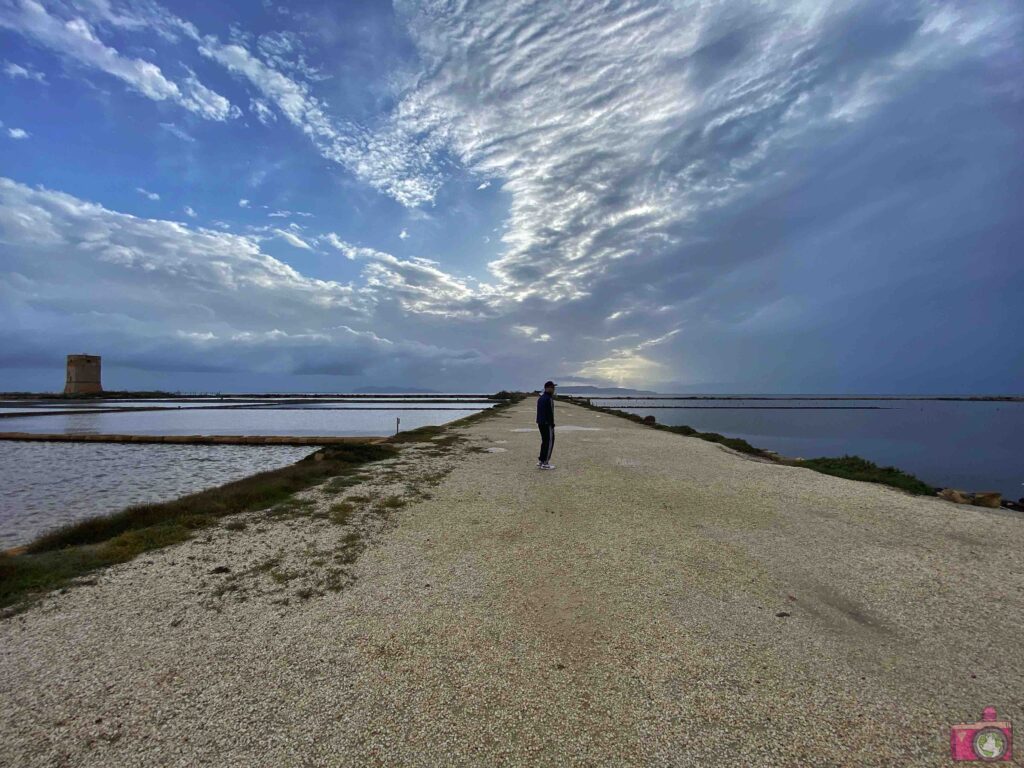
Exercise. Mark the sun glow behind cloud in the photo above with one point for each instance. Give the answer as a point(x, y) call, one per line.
point(686, 188)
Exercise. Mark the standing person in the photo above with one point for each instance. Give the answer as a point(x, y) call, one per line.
point(546, 424)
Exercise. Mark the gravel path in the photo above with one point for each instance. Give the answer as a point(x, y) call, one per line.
point(625, 609)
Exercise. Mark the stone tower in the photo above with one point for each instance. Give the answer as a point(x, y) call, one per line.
point(83, 375)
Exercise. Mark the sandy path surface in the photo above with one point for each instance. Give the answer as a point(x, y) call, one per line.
point(620, 610)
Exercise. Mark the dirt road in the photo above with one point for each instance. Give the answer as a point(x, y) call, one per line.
point(655, 600)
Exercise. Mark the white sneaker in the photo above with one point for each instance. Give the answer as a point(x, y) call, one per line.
point(547, 466)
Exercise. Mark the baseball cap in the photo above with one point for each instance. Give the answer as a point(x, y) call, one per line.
point(549, 384)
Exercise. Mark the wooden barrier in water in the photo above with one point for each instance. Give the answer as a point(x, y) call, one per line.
point(194, 439)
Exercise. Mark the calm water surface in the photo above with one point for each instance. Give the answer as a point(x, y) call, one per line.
point(49, 484)
point(974, 446)
point(237, 421)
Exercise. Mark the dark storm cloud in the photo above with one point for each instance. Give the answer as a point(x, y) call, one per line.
point(774, 195)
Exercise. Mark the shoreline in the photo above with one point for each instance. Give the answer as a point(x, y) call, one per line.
point(293, 440)
point(149, 527)
point(890, 476)
point(430, 396)
point(649, 599)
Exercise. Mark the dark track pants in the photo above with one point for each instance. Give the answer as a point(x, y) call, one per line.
point(547, 442)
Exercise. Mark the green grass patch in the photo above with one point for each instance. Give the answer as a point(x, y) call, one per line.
point(730, 442)
point(418, 435)
point(343, 483)
point(335, 580)
point(341, 513)
point(283, 577)
point(392, 502)
point(856, 468)
point(57, 558)
point(291, 507)
point(351, 545)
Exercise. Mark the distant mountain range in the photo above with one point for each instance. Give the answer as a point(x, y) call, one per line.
point(588, 390)
point(567, 390)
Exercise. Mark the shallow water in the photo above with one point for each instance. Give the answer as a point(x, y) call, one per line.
point(49, 484)
point(974, 446)
point(237, 421)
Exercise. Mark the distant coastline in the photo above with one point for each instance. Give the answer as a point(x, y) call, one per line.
point(595, 393)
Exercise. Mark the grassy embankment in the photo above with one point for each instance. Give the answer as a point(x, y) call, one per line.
point(849, 467)
point(59, 557)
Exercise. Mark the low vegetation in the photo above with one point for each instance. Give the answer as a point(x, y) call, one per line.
point(61, 556)
point(856, 468)
point(67, 555)
point(441, 435)
point(341, 513)
point(849, 467)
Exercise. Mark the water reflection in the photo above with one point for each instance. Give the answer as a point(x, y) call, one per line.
point(50, 484)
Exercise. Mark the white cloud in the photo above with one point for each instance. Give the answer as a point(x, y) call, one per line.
point(151, 195)
point(15, 71)
point(75, 38)
point(165, 296)
point(348, 251)
point(190, 211)
point(648, 152)
point(18, 133)
point(176, 131)
point(243, 203)
point(285, 51)
point(530, 332)
point(263, 111)
point(616, 129)
point(417, 284)
point(292, 239)
point(392, 160)
point(403, 235)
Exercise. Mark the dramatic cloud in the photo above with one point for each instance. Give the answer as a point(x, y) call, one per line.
point(418, 285)
point(392, 160)
point(292, 239)
point(169, 297)
point(75, 38)
point(776, 195)
point(174, 130)
point(640, 143)
point(16, 71)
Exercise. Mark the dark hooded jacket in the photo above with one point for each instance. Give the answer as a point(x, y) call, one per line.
point(546, 409)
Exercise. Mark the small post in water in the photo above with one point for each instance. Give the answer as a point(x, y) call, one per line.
point(398, 420)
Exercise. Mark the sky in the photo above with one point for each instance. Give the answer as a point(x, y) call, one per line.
point(793, 196)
